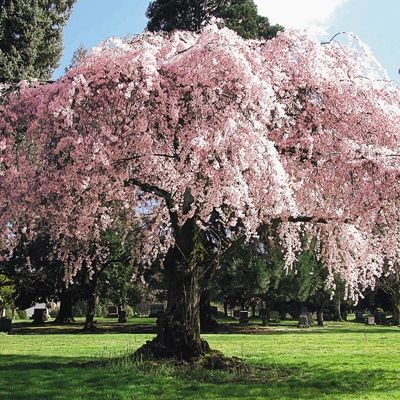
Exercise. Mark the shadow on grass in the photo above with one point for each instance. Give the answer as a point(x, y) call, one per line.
point(60, 378)
point(282, 329)
point(49, 328)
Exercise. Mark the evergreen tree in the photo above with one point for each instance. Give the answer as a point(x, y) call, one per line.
point(31, 37)
point(7, 295)
point(389, 284)
point(242, 17)
point(238, 15)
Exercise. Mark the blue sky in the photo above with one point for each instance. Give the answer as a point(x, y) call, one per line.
point(374, 21)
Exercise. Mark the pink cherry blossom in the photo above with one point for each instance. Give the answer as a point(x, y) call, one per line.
point(288, 130)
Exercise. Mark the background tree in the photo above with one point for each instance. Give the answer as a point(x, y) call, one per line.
point(38, 276)
point(389, 283)
point(309, 281)
point(110, 274)
point(31, 37)
point(7, 295)
point(242, 17)
point(242, 276)
point(116, 280)
point(238, 15)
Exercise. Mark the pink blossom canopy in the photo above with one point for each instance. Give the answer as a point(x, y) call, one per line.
point(285, 130)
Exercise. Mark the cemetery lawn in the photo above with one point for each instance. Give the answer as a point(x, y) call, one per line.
point(340, 361)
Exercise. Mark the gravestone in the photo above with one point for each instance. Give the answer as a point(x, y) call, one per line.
point(122, 317)
point(5, 324)
point(156, 309)
point(359, 316)
point(274, 316)
point(304, 321)
point(309, 317)
point(39, 316)
point(112, 312)
point(244, 318)
point(370, 320)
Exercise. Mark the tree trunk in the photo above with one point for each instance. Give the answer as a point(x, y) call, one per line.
point(338, 311)
point(208, 323)
point(253, 311)
point(90, 312)
point(65, 315)
point(226, 308)
point(320, 316)
point(396, 314)
point(264, 317)
point(178, 329)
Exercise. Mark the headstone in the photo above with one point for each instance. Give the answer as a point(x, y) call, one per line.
point(274, 316)
point(39, 316)
point(370, 320)
point(5, 324)
point(304, 321)
point(380, 318)
point(244, 318)
point(142, 309)
point(112, 312)
point(122, 317)
point(309, 317)
point(359, 316)
point(156, 309)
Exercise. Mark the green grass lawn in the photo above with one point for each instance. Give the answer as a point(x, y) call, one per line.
point(340, 361)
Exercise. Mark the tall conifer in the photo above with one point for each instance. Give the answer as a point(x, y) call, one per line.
point(31, 37)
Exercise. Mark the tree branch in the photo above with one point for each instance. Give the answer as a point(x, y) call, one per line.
point(146, 187)
point(306, 219)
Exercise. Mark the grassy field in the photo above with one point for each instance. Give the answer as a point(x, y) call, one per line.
point(340, 361)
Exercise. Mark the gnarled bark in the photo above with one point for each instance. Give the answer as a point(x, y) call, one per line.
point(65, 315)
point(320, 317)
point(90, 312)
point(178, 329)
point(396, 314)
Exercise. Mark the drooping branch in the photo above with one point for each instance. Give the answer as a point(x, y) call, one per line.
point(146, 187)
point(311, 219)
point(334, 36)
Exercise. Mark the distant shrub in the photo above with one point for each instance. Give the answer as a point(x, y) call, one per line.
point(21, 314)
point(79, 309)
point(129, 311)
point(16, 314)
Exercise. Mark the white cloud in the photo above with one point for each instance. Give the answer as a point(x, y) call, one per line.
point(313, 15)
